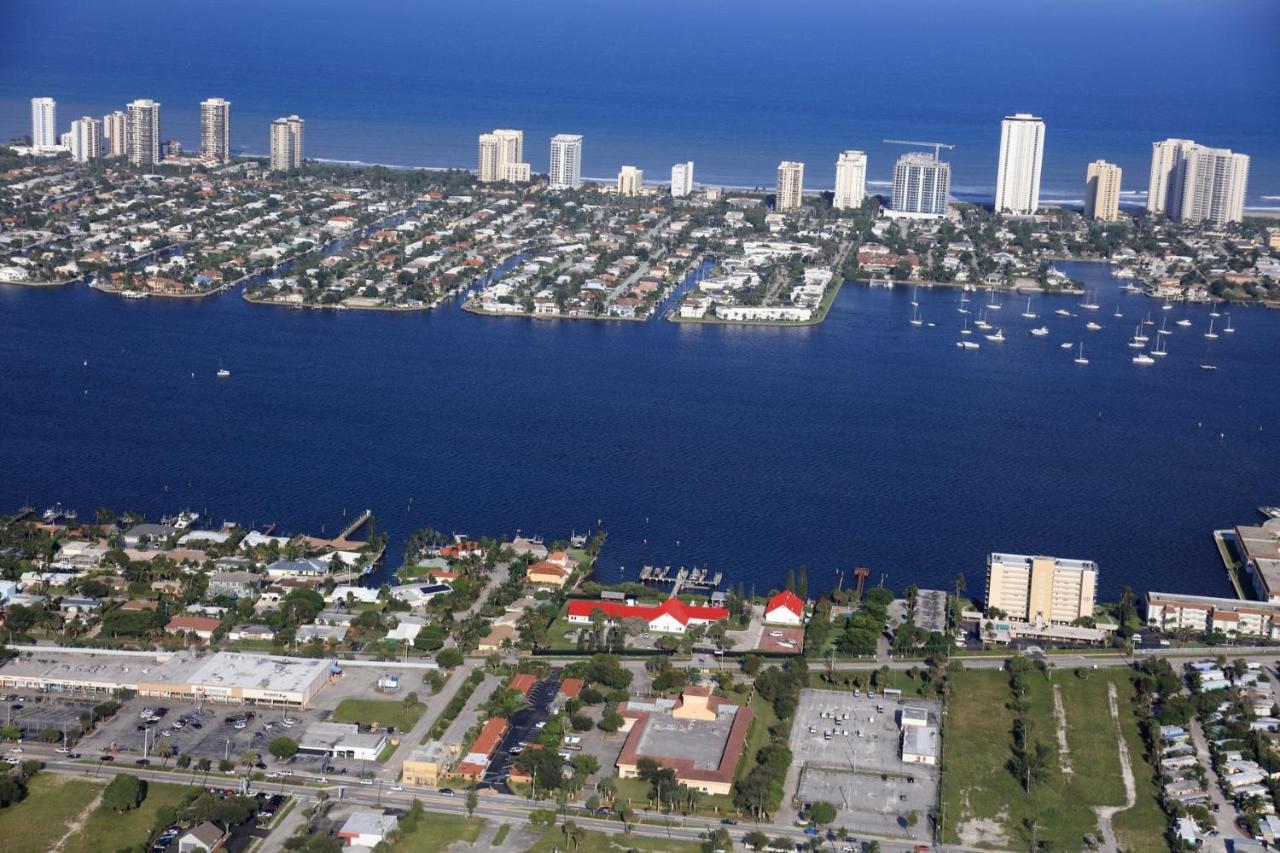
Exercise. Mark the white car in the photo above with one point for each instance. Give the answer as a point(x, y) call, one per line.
point(540, 724)
point(62, 750)
point(775, 634)
point(366, 781)
point(397, 787)
point(241, 725)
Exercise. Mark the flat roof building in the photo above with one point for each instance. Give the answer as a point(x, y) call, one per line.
point(1041, 589)
point(701, 737)
point(1233, 617)
point(1260, 549)
point(426, 764)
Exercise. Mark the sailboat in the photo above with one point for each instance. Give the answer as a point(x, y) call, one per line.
point(1214, 313)
point(1164, 327)
point(1184, 323)
point(982, 321)
point(1089, 304)
point(966, 330)
point(1143, 359)
point(1167, 306)
point(1138, 338)
point(991, 299)
point(1117, 315)
point(1148, 321)
point(915, 295)
point(964, 300)
point(1159, 351)
point(915, 317)
point(997, 337)
point(1229, 327)
point(1211, 334)
point(1080, 359)
point(223, 373)
point(1029, 314)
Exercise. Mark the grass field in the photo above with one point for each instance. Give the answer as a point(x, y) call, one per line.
point(983, 802)
point(384, 712)
point(52, 804)
point(437, 831)
point(106, 830)
point(553, 840)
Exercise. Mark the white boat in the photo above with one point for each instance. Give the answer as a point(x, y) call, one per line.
point(1143, 359)
point(1184, 323)
point(1089, 304)
point(1123, 272)
point(1066, 345)
point(223, 373)
point(1214, 313)
point(133, 294)
point(991, 299)
point(915, 295)
point(1229, 329)
point(915, 317)
point(1159, 351)
point(1138, 337)
point(967, 344)
point(1117, 315)
point(1080, 359)
point(1092, 326)
point(1211, 334)
point(966, 330)
point(1164, 327)
point(1148, 321)
point(1063, 312)
point(1040, 331)
point(982, 321)
point(998, 336)
point(1167, 306)
point(1208, 367)
point(964, 300)
point(1029, 314)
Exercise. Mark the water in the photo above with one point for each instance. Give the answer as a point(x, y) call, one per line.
point(736, 88)
point(860, 442)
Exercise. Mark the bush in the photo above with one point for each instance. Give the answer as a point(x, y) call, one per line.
point(124, 793)
point(283, 747)
point(580, 722)
point(542, 817)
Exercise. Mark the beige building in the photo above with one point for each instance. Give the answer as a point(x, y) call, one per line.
point(286, 143)
point(790, 185)
point(1041, 589)
point(142, 129)
point(630, 181)
point(215, 129)
point(426, 764)
point(501, 157)
point(1233, 617)
point(1102, 191)
point(115, 139)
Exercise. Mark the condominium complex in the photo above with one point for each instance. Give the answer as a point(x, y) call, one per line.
point(1194, 183)
point(851, 180)
point(921, 183)
point(501, 157)
point(790, 192)
point(86, 139)
point(286, 144)
point(215, 129)
point(1102, 191)
point(44, 124)
point(630, 181)
point(566, 161)
point(142, 132)
point(115, 134)
point(1041, 589)
point(1021, 155)
point(682, 179)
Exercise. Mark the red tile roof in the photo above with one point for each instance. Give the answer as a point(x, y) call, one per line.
point(571, 687)
point(192, 623)
point(787, 599)
point(523, 681)
point(673, 606)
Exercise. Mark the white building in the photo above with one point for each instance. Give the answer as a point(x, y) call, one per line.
point(286, 143)
point(920, 744)
point(851, 180)
point(790, 191)
point(682, 179)
point(367, 828)
point(142, 131)
point(1021, 154)
point(921, 184)
point(1213, 185)
point(1164, 189)
point(44, 124)
point(566, 161)
point(115, 134)
point(86, 139)
point(215, 129)
point(501, 157)
point(630, 181)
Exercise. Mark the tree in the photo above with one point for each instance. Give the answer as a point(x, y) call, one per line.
point(249, 757)
point(473, 800)
point(283, 747)
point(822, 813)
point(449, 658)
point(124, 793)
point(165, 750)
point(756, 840)
point(184, 761)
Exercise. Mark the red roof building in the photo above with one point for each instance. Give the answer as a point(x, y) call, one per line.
point(523, 682)
point(785, 608)
point(672, 616)
point(202, 626)
point(477, 758)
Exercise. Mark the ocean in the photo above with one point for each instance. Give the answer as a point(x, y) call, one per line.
point(734, 87)
point(859, 442)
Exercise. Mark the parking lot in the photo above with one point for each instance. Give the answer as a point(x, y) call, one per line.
point(34, 715)
point(849, 754)
point(782, 641)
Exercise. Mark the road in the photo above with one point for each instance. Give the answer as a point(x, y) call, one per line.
point(411, 740)
point(1223, 811)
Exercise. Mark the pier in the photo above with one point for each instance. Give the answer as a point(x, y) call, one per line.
point(360, 521)
point(699, 579)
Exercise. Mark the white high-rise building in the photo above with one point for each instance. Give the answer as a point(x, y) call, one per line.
point(790, 189)
point(1213, 185)
point(1102, 191)
point(215, 129)
point(921, 183)
point(1021, 155)
point(142, 130)
point(566, 161)
point(851, 180)
point(1164, 189)
point(682, 179)
point(86, 139)
point(630, 181)
point(286, 144)
point(44, 124)
point(115, 134)
point(501, 157)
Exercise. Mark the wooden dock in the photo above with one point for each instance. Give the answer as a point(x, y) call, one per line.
point(1233, 568)
point(360, 521)
point(700, 579)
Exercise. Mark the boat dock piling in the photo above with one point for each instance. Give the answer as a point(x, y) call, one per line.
point(700, 579)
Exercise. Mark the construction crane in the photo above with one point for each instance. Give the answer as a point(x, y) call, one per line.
point(936, 146)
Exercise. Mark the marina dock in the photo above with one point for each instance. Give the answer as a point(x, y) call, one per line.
point(700, 579)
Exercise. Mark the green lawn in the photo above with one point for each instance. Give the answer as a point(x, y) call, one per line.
point(979, 792)
point(437, 831)
point(501, 835)
point(53, 802)
point(635, 792)
point(383, 712)
point(553, 840)
point(844, 680)
point(106, 830)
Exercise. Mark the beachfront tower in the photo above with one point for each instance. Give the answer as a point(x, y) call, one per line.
point(682, 179)
point(1102, 191)
point(44, 124)
point(921, 183)
point(1021, 154)
point(142, 131)
point(86, 139)
point(115, 134)
point(630, 181)
point(286, 144)
point(790, 191)
point(215, 129)
point(501, 157)
point(566, 161)
point(851, 180)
